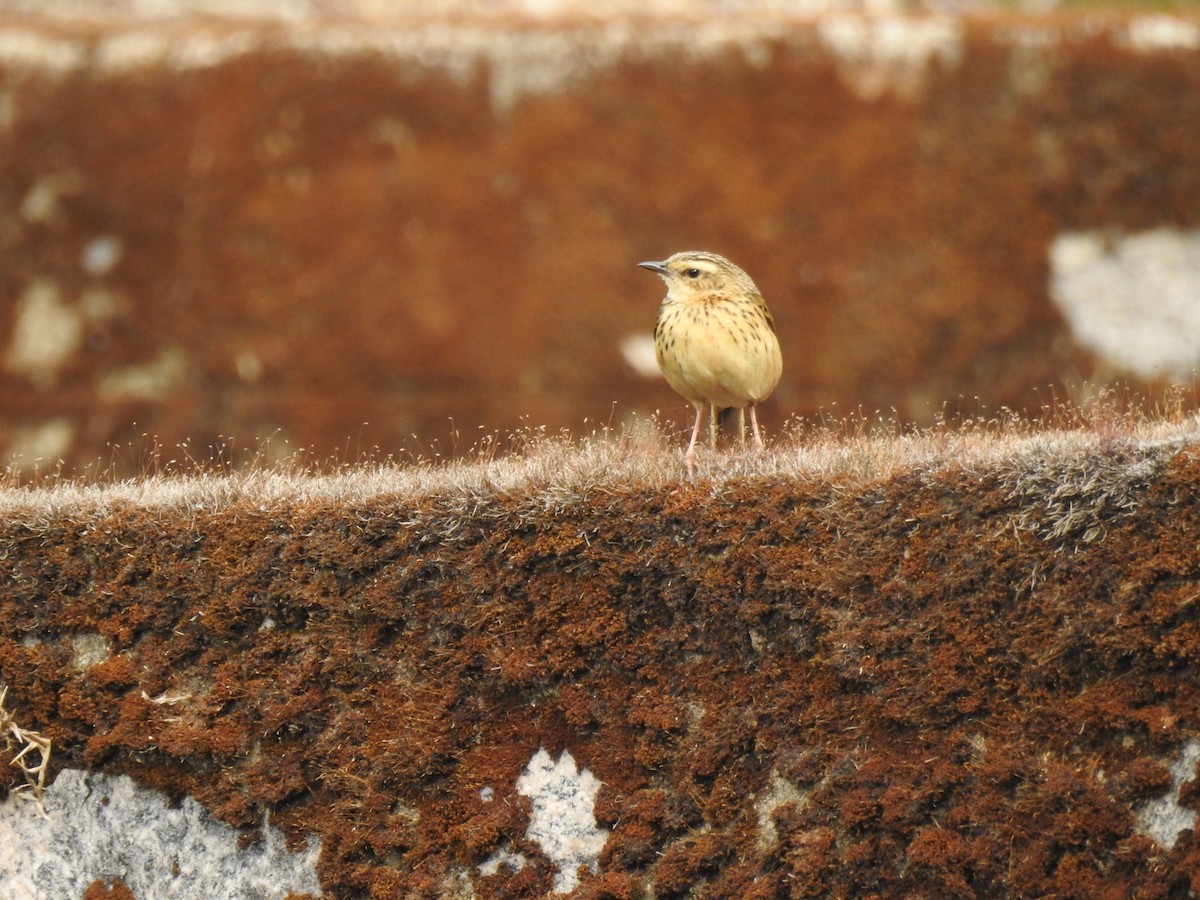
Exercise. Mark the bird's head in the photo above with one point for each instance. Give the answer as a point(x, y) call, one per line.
point(695, 273)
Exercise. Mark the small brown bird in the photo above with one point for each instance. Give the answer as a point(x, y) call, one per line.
point(715, 340)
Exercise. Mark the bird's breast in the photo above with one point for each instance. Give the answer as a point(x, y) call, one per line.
point(723, 352)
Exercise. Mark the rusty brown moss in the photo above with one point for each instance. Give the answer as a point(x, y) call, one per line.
point(966, 689)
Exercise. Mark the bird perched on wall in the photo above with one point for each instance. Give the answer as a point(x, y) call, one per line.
point(715, 339)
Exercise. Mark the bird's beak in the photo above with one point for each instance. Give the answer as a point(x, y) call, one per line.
point(657, 267)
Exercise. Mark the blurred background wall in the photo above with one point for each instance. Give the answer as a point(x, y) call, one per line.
point(369, 228)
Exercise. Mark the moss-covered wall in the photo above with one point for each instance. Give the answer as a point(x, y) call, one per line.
point(957, 680)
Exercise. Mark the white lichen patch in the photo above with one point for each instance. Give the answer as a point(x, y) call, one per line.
point(101, 254)
point(876, 50)
point(889, 52)
point(779, 792)
point(23, 47)
point(248, 365)
point(1163, 819)
point(516, 62)
point(457, 885)
point(503, 856)
point(150, 381)
point(1156, 33)
point(1131, 298)
point(106, 827)
point(878, 47)
point(130, 50)
point(40, 203)
point(200, 49)
point(89, 649)
point(39, 445)
point(638, 351)
point(563, 822)
point(47, 332)
point(205, 50)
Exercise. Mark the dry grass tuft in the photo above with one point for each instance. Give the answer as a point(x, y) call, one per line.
point(25, 742)
point(1079, 471)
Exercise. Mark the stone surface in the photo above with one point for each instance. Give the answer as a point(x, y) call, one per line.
point(96, 827)
point(1165, 818)
point(331, 229)
point(967, 675)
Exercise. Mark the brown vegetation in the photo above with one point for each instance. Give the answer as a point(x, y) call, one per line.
point(953, 663)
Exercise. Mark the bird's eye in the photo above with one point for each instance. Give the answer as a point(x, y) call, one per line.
point(692, 273)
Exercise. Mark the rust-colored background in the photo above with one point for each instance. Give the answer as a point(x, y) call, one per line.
point(364, 237)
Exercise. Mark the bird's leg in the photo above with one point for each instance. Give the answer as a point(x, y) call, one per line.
point(742, 425)
point(691, 450)
point(714, 425)
point(758, 441)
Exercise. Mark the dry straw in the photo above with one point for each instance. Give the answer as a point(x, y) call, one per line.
point(26, 743)
point(1087, 455)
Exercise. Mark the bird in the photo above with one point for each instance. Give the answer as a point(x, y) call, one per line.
point(715, 340)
